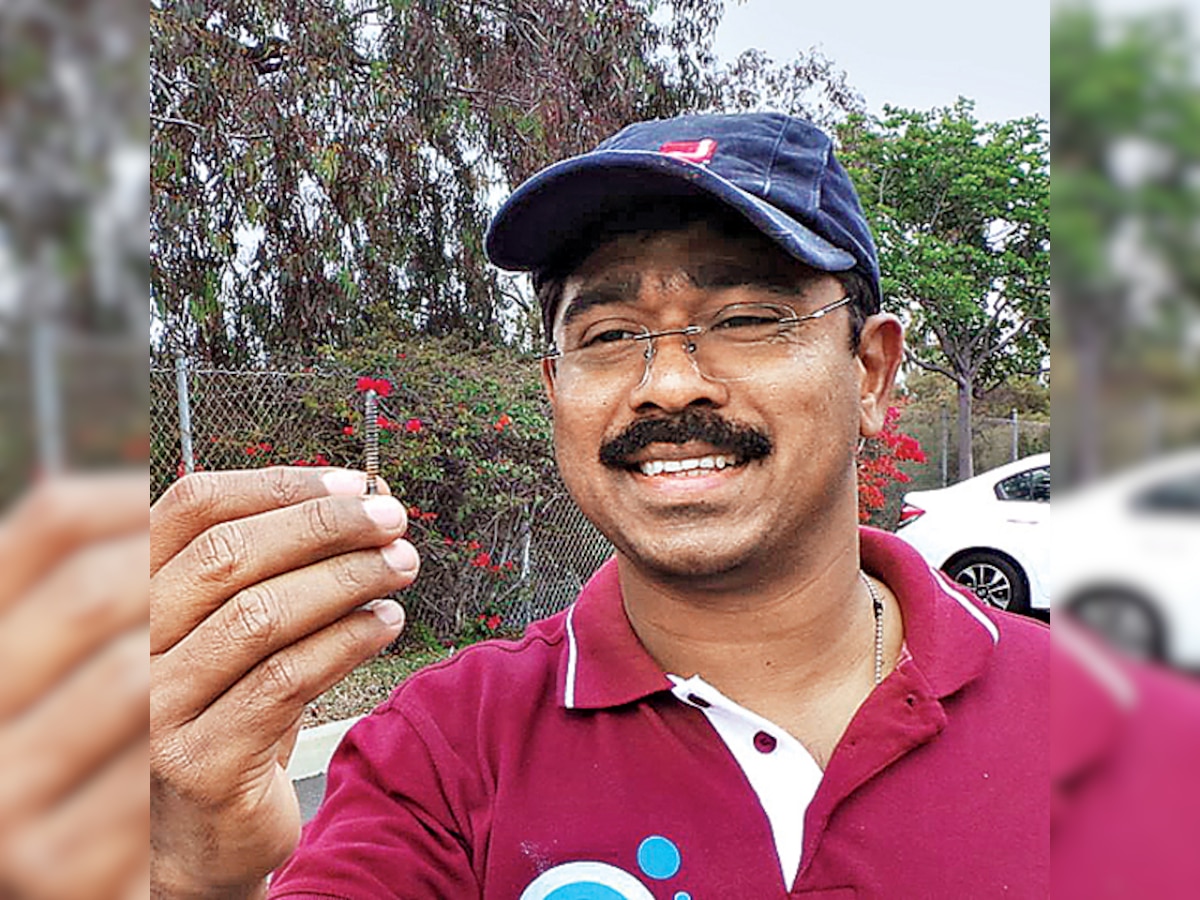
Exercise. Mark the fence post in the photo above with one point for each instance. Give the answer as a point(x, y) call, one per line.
point(46, 397)
point(1016, 436)
point(945, 461)
point(185, 414)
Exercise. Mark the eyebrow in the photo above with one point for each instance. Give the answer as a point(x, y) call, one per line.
point(604, 293)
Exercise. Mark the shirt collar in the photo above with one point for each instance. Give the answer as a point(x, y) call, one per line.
point(604, 662)
point(950, 637)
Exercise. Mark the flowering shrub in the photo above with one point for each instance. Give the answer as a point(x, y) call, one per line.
point(879, 466)
point(464, 435)
point(488, 624)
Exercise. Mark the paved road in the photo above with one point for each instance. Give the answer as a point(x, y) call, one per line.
point(310, 791)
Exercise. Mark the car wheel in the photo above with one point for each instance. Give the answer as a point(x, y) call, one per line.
point(1124, 619)
point(993, 579)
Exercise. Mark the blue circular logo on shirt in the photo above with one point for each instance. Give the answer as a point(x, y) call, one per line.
point(658, 857)
point(586, 880)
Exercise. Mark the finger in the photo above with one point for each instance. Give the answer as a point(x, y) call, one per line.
point(97, 593)
point(93, 844)
point(268, 616)
point(62, 514)
point(235, 743)
point(231, 556)
point(56, 745)
point(138, 886)
point(199, 501)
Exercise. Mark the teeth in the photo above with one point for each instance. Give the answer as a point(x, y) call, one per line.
point(689, 468)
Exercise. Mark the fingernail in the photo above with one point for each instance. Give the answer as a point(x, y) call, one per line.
point(386, 512)
point(401, 556)
point(345, 481)
point(389, 612)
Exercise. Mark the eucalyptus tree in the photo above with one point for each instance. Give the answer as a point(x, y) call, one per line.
point(323, 171)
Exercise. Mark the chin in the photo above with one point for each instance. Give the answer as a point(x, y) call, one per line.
point(688, 558)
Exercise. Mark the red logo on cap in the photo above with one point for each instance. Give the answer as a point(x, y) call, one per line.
point(690, 151)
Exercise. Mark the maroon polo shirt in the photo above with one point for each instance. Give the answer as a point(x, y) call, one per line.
point(564, 767)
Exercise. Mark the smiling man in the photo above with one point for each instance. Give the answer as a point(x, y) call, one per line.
point(756, 698)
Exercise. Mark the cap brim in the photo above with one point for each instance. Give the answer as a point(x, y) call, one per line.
point(551, 210)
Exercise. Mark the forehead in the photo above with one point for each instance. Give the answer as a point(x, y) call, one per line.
point(699, 256)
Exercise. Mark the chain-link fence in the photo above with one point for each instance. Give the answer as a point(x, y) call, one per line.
point(206, 420)
point(994, 442)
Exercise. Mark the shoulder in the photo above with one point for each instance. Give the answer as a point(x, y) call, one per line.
point(484, 681)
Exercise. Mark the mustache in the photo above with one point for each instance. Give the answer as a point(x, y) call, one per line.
point(744, 442)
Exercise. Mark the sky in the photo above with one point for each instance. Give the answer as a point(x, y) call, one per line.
point(912, 53)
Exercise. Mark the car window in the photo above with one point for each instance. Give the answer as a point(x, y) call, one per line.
point(1031, 485)
point(1179, 495)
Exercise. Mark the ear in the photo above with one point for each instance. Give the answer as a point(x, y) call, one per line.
point(880, 352)
point(548, 379)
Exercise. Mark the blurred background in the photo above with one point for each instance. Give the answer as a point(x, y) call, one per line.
point(1125, 132)
point(74, 203)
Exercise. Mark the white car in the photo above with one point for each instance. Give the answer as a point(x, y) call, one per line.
point(990, 533)
point(1126, 552)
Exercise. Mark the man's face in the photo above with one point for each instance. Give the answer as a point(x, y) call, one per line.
point(689, 473)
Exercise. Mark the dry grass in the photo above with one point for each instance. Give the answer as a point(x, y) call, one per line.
point(368, 686)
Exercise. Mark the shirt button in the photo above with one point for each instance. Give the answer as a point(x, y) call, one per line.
point(698, 701)
point(763, 742)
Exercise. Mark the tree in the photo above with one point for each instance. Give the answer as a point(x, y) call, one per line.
point(324, 172)
point(960, 210)
point(1126, 138)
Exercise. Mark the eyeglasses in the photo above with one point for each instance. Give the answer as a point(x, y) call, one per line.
point(729, 345)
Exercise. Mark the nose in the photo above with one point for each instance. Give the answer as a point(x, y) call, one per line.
point(672, 379)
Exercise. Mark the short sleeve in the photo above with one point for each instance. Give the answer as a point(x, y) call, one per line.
point(391, 824)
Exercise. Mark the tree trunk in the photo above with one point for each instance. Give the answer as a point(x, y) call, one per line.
point(1089, 362)
point(966, 462)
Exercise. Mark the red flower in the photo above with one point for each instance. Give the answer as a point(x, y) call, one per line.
point(428, 516)
point(449, 542)
point(381, 386)
point(482, 561)
point(251, 450)
point(473, 545)
point(493, 622)
point(413, 426)
point(348, 430)
point(321, 460)
point(301, 462)
point(510, 565)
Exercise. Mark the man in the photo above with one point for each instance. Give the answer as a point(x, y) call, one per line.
point(754, 699)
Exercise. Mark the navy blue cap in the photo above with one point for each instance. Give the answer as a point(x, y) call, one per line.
point(777, 171)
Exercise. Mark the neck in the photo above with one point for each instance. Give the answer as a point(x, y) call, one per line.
point(793, 636)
